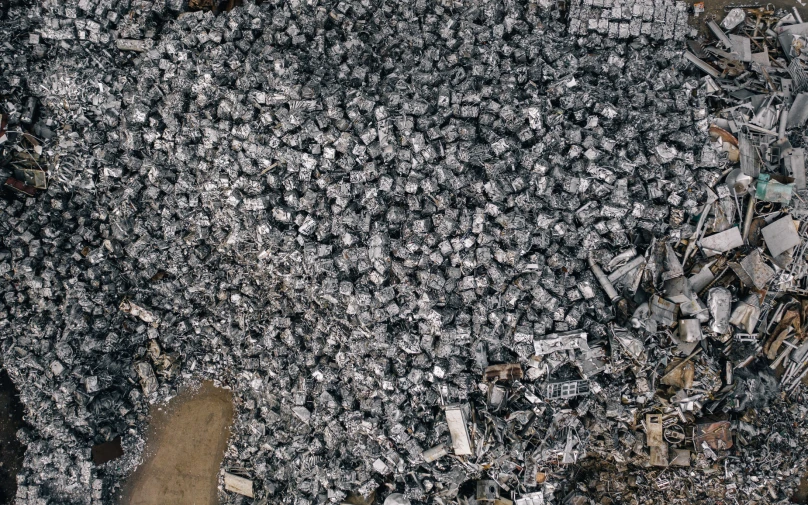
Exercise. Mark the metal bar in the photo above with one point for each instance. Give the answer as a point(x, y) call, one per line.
point(701, 64)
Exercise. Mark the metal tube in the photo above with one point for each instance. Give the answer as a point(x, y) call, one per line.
point(691, 246)
point(719, 34)
point(783, 355)
point(792, 367)
point(750, 213)
point(603, 280)
point(797, 380)
point(781, 131)
point(625, 269)
point(704, 66)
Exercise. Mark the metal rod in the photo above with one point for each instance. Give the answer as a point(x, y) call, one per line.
point(781, 132)
point(607, 286)
point(692, 245)
point(750, 213)
point(625, 269)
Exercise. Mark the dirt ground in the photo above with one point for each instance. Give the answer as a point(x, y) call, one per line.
point(801, 496)
point(185, 445)
point(11, 450)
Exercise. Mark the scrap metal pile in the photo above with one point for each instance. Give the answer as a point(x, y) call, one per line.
point(443, 252)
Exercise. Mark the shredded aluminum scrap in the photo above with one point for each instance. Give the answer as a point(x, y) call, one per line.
point(442, 252)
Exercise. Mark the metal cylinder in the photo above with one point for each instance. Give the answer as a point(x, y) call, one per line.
point(750, 213)
point(625, 269)
point(603, 280)
point(781, 131)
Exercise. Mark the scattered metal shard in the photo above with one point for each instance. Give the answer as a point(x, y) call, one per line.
point(461, 443)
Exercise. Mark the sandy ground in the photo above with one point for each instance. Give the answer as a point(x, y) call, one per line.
point(801, 496)
point(185, 445)
point(11, 450)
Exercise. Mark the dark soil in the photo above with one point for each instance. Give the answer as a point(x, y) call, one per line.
point(11, 450)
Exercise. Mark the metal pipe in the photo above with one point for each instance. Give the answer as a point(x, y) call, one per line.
point(719, 34)
point(797, 380)
point(782, 357)
point(625, 269)
point(703, 65)
point(781, 131)
point(603, 280)
point(750, 213)
point(691, 246)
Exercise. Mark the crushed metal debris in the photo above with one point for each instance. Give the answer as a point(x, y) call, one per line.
point(448, 252)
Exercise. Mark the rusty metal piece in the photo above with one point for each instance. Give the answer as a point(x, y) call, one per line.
point(653, 430)
point(730, 68)
point(679, 375)
point(20, 187)
point(724, 135)
point(791, 319)
point(717, 435)
point(201, 4)
point(506, 371)
point(759, 13)
point(659, 455)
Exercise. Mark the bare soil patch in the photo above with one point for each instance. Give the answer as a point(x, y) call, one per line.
point(184, 449)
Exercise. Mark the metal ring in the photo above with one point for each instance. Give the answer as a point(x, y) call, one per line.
point(674, 434)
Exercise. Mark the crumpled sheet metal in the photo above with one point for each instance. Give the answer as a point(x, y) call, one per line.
point(780, 236)
point(349, 247)
point(719, 302)
point(717, 435)
point(753, 270)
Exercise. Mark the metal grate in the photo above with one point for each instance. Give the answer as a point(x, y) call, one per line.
point(798, 74)
point(557, 390)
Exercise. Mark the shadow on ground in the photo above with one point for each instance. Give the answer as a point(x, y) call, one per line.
point(11, 450)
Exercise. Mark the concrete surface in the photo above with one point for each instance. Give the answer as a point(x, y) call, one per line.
point(184, 449)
